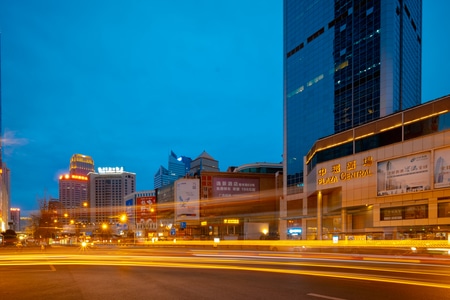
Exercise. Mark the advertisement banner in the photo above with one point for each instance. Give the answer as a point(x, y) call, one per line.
point(229, 187)
point(187, 196)
point(442, 168)
point(129, 209)
point(145, 211)
point(404, 175)
point(404, 213)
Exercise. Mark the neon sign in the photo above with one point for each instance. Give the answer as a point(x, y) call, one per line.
point(108, 170)
point(351, 172)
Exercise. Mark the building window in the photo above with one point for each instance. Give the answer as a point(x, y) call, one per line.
point(444, 210)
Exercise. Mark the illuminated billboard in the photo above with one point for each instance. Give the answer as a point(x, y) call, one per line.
point(404, 213)
point(404, 174)
point(442, 168)
point(229, 187)
point(187, 199)
point(145, 210)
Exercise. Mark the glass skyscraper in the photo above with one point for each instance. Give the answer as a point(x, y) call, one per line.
point(178, 167)
point(346, 63)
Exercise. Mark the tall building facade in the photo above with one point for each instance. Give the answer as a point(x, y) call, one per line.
point(15, 219)
point(81, 165)
point(204, 162)
point(106, 194)
point(73, 194)
point(73, 188)
point(178, 167)
point(5, 191)
point(346, 63)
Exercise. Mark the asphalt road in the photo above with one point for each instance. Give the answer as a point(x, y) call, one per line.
point(130, 273)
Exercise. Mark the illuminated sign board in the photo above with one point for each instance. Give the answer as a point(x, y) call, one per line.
point(348, 172)
point(231, 221)
point(294, 231)
point(404, 213)
point(442, 168)
point(229, 187)
point(109, 170)
point(404, 174)
point(145, 212)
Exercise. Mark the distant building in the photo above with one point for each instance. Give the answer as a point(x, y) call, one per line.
point(73, 189)
point(204, 162)
point(178, 167)
point(228, 205)
point(15, 219)
point(5, 188)
point(81, 165)
point(73, 194)
point(163, 177)
point(106, 193)
point(54, 210)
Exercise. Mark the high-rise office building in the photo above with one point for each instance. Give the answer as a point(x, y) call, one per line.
point(15, 219)
point(106, 193)
point(73, 197)
point(81, 165)
point(178, 167)
point(346, 63)
point(73, 189)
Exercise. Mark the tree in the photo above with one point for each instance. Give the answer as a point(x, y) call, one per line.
point(45, 221)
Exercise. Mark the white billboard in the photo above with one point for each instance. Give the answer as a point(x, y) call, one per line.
point(187, 199)
point(442, 168)
point(404, 175)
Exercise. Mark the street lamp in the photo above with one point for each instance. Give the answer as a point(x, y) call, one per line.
point(104, 227)
point(123, 218)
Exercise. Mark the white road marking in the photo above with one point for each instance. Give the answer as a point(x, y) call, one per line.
point(324, 297)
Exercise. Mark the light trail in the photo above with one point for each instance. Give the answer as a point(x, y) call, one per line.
point(223, 263)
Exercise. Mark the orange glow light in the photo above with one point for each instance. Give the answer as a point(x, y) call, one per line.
point(77, 177)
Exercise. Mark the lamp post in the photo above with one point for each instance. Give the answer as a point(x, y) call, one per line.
point(104, 227)
point(123, 220)
point(84, 216)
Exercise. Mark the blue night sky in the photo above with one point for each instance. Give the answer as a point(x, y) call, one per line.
point(127, 82)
